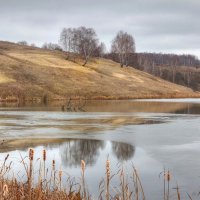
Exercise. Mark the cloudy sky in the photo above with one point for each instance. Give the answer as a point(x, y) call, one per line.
point(157, 25)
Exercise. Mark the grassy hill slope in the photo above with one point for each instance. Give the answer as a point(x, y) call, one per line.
point(32, 72)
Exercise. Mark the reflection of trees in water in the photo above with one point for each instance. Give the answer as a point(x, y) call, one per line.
point(73, 152)
point(123, 151)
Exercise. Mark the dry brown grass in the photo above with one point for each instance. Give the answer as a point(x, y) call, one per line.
point(28, 72)
point(45, 188)
point(48, 182)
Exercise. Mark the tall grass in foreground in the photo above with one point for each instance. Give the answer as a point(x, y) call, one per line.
point(47, 183)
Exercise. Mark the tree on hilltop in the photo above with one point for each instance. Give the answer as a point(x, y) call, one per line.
point(81, 40)
point(123, 44)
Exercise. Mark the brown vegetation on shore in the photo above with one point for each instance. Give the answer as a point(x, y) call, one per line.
point(48, 182)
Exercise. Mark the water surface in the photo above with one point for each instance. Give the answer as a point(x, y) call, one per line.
point(150, 134)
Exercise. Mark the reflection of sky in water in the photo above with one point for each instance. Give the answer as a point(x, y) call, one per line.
point(174, 143)
point(69, 160)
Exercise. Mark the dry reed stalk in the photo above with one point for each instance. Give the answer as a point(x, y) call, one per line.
point(54, 179)
point(135, 180)
point(164, 192)
point(4, 163)
point(52, 175)
point(60, 179)
point(31, 157)
point(107, 179)
point(168, 178)
point(83, 166)
point(44, 156)
point(122, 180)
point(2, 173)
point(139, 183)
point(189, 196)
point(53, 165)
point(12, 190)
point(178, 193)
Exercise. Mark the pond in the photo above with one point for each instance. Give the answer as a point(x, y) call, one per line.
point(149, 134)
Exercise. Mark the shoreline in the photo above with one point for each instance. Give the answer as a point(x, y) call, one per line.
point(134, 97)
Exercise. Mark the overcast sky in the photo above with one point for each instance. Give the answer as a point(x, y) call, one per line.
point(157, 25)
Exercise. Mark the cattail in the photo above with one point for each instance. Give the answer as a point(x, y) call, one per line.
point(53, 165)
point(5, 190)
point(60, 175)
point(31, 154)
point(108, 169)
point(44, 155)
point(168, 176)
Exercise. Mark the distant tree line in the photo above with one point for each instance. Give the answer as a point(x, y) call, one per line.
point(172, 67)
point(25, 43)
point(167, 60)
point(180, 69)
point(51, 46)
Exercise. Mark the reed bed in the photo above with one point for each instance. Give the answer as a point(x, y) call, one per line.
point(49, 183)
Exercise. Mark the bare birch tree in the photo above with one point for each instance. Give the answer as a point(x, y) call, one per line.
point(67, 40)
point(80, 40)
point(86, 41)
point(123, 44)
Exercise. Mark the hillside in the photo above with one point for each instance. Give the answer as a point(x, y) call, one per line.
point(29, 72)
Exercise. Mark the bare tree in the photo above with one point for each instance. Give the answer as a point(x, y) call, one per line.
point(82, 41)
point(123, 44)
point(75, 150)
point(86, 42)
point(173, 66)
point(67, 40)
point(123, 151)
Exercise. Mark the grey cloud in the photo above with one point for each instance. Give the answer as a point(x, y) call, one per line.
point(157, 25)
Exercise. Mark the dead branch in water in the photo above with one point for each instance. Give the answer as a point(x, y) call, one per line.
point(74, 105)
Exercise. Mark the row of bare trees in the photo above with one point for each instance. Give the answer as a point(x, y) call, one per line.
point(180, 69)
point(84, 41)
point(172, 67)
point(51, 46)
point(167, 59)
point(25, 43)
